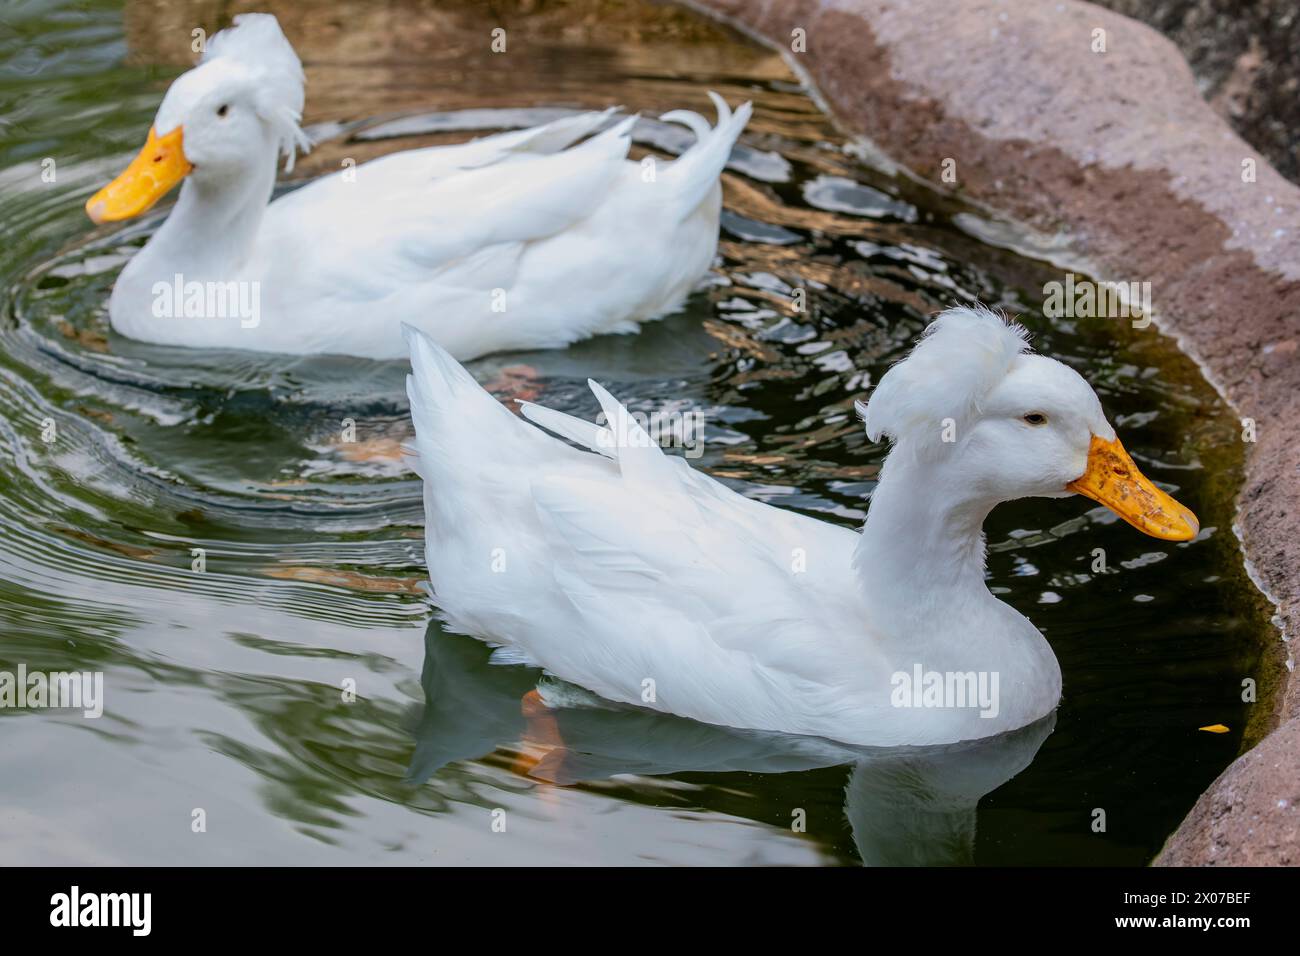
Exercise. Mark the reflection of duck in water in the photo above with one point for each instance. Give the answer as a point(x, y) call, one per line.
point(619, 568)
point(906, 806)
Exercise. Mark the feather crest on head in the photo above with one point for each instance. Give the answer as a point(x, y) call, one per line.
point(959, 358)
point(257, 43)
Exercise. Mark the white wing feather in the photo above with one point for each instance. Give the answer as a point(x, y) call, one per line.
point(622, 570)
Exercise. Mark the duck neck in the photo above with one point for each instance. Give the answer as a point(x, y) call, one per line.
point(921, 553)
point(213, 229)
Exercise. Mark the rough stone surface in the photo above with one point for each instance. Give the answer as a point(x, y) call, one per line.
point(1246, 57)
point(1237, 822)
point(1117, 152)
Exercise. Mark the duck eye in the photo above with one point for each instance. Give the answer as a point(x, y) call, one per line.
point(223, 109)
point(1035, 418)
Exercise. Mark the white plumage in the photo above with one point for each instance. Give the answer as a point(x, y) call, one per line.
point(259, 53)
point(528, 239)
point(622, 570)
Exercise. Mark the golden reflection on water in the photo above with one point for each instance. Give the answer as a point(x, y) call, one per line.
point(232, 675)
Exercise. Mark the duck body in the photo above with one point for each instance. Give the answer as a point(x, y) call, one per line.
point(624, 571)
point(528, 239)
point(634, 568)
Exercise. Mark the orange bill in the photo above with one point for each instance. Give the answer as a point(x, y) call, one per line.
point(159, 167)
point(1113, 480)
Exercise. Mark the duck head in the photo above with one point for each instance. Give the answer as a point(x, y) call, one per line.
point(1002, 423)
point(218, 123)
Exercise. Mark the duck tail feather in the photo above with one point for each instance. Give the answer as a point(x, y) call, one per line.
point(452, 411)
point(640, 459)
point(411, 458)
point(436, 376)
point(562, 133)
point(697, 170)
point(583, 433)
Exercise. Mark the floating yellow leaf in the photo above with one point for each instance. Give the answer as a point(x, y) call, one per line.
point(1214, 729)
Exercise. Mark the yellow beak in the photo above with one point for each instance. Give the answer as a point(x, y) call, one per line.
point(159, 167)
point(1114, 481)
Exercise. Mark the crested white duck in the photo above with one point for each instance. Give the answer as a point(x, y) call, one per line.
point(649, 583)
point(527, 239)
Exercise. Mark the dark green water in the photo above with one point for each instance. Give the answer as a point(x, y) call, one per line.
point(224, 688)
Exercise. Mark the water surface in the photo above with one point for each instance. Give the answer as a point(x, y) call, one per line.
point(225, 687)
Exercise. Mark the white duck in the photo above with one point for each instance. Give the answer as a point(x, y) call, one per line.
point(515, 241)
point(651, 584)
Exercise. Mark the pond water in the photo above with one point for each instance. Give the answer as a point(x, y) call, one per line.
point(224, 687)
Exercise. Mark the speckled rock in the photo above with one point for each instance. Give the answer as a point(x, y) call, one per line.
point(1246, 57)
point(1237, 822)
point(1118, 155)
